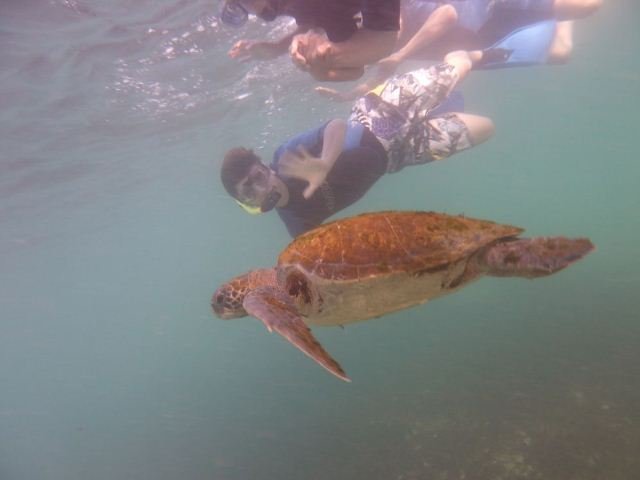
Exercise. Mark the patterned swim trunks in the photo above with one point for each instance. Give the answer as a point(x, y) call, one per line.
point(398, 115)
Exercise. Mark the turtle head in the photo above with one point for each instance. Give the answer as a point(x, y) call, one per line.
point(227, 300)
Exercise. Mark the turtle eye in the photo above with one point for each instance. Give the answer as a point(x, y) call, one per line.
point(220, 299)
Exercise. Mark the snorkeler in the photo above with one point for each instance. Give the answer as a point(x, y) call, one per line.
point(431, 28)
point(329, 41)
point(512, 32)
point(322, 171)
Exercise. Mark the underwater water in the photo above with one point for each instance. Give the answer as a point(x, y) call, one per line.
point(115, 230)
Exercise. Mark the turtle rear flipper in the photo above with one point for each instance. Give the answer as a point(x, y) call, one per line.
point(276, 310)
point(533, 257)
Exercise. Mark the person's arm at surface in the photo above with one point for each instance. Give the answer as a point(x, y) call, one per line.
point(301, 164)
point(245, 50)
point(316, 43)
point(441, 20)
point(376, 38)
point(362, 48)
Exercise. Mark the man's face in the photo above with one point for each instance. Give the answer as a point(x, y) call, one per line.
point(253, 189)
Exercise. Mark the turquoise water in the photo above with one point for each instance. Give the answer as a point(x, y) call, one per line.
point(114, 232)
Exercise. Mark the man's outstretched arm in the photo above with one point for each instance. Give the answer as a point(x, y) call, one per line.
point(301, 164)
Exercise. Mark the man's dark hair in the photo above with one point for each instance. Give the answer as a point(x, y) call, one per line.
point(235, 166)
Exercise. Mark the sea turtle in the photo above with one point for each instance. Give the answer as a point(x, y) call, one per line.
point(372, 264)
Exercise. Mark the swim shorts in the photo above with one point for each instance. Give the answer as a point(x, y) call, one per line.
point(398, 115)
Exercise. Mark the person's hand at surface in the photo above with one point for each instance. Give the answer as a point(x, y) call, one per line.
point(350, 95)
point(304, 166)
point(309, 50)
point(246, 50)
point(333, 94)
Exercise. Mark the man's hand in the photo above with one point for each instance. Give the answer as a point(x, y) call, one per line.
point(355, 92)
point(333, 94)
point(309, 50)
point(301, 164)
point(246, 50)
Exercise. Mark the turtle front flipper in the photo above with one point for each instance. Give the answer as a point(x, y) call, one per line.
point(276, 310)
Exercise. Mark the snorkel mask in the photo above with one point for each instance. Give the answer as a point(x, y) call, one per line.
point(269, 203)
point(233, 13)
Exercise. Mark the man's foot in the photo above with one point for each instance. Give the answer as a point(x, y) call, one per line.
point(493, 55)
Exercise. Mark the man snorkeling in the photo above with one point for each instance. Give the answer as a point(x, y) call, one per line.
point(512, 33)
point(431, 28)
point(322, 171)
point(347, 45)
point(434, 27)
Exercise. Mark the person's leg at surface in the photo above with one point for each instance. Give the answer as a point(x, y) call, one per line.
point(573, 9)
point(462, 61)
point(545, 9)
point(562, 45)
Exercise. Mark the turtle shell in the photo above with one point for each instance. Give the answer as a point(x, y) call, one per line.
point(382, 243)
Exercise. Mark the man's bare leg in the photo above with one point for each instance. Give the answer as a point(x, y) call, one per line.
point(463, 61)
point(573, 9)
point(562, 45)
point(480, 128)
